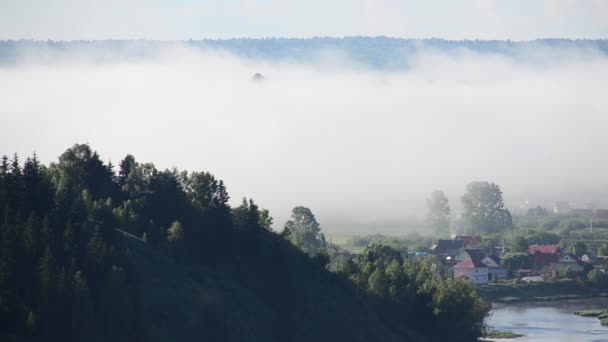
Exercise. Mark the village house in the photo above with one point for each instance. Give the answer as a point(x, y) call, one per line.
point(472, 269)
point(495, 269)
point(568, 262)
point(542, 256)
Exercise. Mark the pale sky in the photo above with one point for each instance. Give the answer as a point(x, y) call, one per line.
point(185, 19)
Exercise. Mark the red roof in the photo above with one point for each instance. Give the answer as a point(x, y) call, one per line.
point(546, 249)
point(470, 263)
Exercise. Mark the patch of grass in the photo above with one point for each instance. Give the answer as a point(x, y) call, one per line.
point(589, 313)
point(501, 334)
point(508, 299)
point(602, 315)
point(513, 299)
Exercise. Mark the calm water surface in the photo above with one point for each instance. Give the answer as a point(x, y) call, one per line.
point(553, 321)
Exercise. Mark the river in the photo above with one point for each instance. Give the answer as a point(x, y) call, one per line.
point(550, 321)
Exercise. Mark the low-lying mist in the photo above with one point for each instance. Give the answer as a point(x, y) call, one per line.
point(353, 143)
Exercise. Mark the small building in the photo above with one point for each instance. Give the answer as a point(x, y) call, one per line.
point(601, 214)
point(589, 259)
point(473, 269)
point(568, 261)
point(415, 255)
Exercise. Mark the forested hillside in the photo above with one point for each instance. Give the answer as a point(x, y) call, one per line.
point(90, 251)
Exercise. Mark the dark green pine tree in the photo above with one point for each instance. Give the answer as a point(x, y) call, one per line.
point(4, 170)
point(83, 315)
point(32, 239)
point(37, 187)
point(32, 250)
point(48, 299)
point(4, 166)
point(72, 240)
point(14, 184)
point(116, 305)
point(9, 281)
point(125, 167)
point(47, 273)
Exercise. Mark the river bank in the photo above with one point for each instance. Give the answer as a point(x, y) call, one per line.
point(563, 289)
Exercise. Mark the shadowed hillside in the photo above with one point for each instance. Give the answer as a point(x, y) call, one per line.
point(91, 254)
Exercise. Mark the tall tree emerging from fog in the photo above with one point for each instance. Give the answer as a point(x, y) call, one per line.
point(484, 209)
point(304, 231)
point(439, 212)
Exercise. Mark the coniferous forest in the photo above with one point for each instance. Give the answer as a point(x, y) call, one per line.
point(91, 251)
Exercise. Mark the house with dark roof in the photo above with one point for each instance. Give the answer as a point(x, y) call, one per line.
point(470, 253)
point(495, 269)
point(447, 250)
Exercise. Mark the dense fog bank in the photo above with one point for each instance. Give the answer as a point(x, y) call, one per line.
point(354, 142)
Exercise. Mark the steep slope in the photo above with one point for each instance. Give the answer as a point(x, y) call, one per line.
point(251, 300)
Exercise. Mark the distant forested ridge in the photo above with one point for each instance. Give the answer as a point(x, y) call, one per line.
point(374, 52)
point(91, 251)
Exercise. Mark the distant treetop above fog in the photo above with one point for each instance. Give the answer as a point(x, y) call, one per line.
point(257, 77)
point(377, 52)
